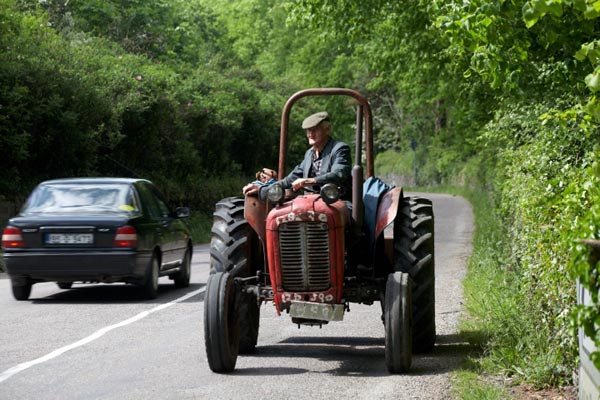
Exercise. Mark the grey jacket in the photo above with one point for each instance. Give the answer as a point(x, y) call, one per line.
point(336, 168)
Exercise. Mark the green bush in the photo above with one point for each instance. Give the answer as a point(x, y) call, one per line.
point(520, 289)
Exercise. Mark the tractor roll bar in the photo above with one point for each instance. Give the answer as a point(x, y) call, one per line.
point(363, 112)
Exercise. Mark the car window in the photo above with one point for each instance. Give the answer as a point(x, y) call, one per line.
point(149, 200)
point(162, 205)
point(73, 198)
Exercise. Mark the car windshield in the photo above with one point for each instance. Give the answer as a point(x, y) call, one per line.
point(78, 198)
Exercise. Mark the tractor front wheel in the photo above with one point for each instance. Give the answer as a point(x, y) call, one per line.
point(221, 323)
point(397, 319)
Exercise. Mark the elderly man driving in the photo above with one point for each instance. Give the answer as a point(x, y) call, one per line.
point(326, 161)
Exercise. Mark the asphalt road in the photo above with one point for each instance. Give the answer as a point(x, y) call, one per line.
point(102, 342)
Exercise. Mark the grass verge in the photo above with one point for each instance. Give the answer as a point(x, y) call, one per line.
point(516, 351)
point(488, 301)
point(200, 225)
point(484, 295)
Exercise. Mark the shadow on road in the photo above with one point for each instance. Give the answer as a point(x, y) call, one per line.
point(117, 294)
point(361, 356)
point(269, 371)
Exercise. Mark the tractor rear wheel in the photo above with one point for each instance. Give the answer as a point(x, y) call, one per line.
point(397, 319)
point(231, 248)
point(221, 323)
point(414, 254)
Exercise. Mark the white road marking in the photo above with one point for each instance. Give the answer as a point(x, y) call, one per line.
point(96, 335)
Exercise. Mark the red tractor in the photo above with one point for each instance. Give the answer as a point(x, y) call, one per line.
point(312, 257)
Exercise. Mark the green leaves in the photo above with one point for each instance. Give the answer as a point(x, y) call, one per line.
point(589, 51)
point(593, 81)
point(533, 10)
point(531, 15)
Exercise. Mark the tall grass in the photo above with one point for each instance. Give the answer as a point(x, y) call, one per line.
point(200, 225)
point(512, 342)
point(469, 386)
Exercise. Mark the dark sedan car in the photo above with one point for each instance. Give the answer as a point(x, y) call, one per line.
point(97, 230)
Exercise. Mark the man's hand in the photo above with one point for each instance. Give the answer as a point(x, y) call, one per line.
point(250, 190)
point(302, 183)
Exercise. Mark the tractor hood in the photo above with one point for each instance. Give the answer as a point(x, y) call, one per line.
point(309, 208)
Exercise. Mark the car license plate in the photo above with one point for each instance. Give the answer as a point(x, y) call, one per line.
point(69, 238)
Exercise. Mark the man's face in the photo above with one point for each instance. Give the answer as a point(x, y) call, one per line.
point(317, 136)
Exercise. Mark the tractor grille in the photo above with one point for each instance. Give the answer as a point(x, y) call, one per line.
point(304, 250)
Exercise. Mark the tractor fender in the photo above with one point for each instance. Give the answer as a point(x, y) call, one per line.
point(255, 212)
point(387, 210)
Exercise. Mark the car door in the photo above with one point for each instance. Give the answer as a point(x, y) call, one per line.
point(178, 235)
point(158, 225)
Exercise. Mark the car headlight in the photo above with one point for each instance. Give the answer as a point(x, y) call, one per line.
point(275, 193)
point(330, 193)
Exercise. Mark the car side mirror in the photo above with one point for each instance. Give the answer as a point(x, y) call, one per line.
point(182, 212)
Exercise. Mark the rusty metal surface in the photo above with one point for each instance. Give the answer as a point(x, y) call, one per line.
point(388, 208)
point(307, 210)
point(255, 212)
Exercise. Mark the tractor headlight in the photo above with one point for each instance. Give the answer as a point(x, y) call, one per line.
point(330, 193)
point(275, 193)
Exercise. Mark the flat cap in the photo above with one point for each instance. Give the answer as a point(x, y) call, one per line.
point(315, 119)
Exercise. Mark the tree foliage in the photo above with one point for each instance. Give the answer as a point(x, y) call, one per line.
point(80, 96)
